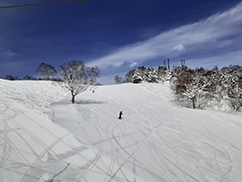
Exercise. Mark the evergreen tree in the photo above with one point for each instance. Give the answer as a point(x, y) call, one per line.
point(162, 72)
point(137, 77)
point(129, 77)
point(151, 74)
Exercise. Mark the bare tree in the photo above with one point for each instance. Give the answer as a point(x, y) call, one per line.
point(77, 77)
point(118, 79)
point(46, 70)
point(193, 85)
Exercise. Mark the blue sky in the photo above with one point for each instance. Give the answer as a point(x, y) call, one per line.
point(118, 36)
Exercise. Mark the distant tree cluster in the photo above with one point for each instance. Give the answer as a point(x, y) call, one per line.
point(10, 77)
point(148, 74)
point(46, 70)
point(27, 77)
point(196, 88)
point(200, 88)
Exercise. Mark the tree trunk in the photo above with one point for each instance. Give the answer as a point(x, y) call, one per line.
point(73, 97)
point(193, 102)
point(46, 77)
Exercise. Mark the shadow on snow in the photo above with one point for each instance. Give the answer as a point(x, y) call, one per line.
point(89, 102)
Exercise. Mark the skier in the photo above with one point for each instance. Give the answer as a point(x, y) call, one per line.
point(120, 115)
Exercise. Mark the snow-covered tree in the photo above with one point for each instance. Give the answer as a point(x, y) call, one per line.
point(207, 88)
point(151, 74)
point(192, 84)
point(137, 77)
point(231, 83)
point(118, 79)
point(77, 77)
point(164, 74)
point(130, 74)
point(142, 71)
point(46, 70)
point(162, 71)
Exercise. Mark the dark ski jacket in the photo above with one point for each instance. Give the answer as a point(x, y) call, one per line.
point(120, 114)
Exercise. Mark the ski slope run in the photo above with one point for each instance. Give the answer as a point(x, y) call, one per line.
point(43, 137)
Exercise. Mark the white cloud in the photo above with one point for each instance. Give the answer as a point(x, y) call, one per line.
point(179, 47)
point(208, 34)
point(232, 58)
point(8, 54)
point(133, 64)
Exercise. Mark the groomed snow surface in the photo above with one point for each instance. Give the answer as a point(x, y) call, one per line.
point(43, 137)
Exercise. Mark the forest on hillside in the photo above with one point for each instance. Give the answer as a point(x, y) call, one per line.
point(196, 88)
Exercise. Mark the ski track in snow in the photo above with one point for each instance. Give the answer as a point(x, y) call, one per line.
point(45, 138)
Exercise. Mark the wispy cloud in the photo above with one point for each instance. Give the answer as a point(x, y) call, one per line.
point(133, 64)
point(223, 60)
point(8, 54)
point(219, 31)
point(179, 48)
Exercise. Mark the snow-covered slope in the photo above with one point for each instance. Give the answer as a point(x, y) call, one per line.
point(43, 137)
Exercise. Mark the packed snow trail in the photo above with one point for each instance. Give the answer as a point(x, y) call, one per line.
point(155, 141)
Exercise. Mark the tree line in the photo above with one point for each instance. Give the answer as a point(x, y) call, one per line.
point(196, 88)
point(49, 72)
point(202, 88)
